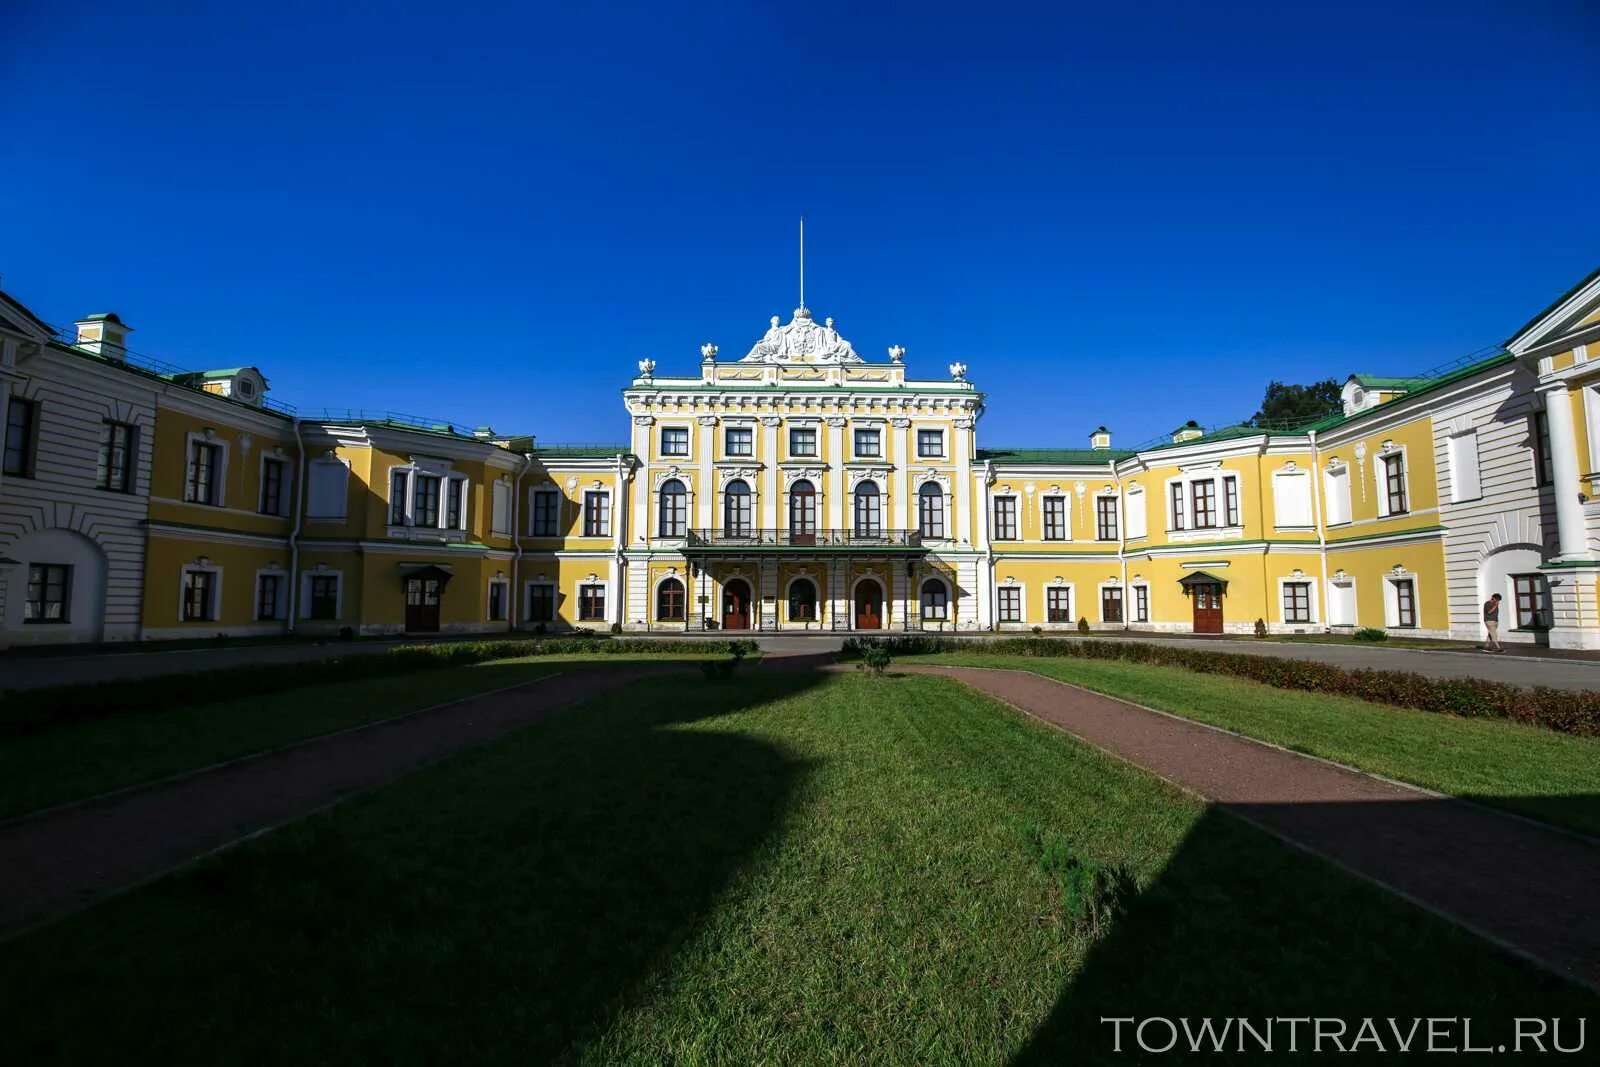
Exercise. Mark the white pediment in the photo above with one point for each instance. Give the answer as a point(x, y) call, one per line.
point(802, 341)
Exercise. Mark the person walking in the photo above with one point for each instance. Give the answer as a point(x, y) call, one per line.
point(1491, 621)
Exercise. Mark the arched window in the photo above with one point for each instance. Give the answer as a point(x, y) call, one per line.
point(669, 601)
point(802, 600)
point(736, 511)
point(803, 513)
point(674, 509)
point(869, 510)
point(930, 510)
point(935, 601)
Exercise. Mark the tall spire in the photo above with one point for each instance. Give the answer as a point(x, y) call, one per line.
point(802, 261)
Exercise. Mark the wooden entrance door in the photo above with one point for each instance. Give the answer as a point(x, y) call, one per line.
point(736, 605)
point(1207, 597)
point(869, 605)
point(422, 605)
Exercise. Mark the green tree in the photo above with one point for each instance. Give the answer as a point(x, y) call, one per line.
point(1284, 403)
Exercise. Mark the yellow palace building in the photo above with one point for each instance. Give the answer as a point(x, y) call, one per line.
point(799, 486)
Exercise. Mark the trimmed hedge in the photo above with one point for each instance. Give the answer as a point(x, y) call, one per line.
point(25, 711)
point(1556, 709)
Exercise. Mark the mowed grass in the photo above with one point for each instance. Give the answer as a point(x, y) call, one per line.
point(1535, 772)
point(82, 759)
point(785, 868)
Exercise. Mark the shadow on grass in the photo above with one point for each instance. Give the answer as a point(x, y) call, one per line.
point(1222, 933)
point(501, 906)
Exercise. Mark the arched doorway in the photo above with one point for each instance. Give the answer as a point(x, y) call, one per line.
point(736, 604)
point(54, 589)
point(869, 605)
point(802, 600)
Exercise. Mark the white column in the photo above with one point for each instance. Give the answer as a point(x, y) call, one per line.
point(985, 567)
point(706, 492)
point(836, 490)
point(902, 476)
point(1572, 534)
point(769, 457)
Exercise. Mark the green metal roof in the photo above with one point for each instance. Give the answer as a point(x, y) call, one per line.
point(1499, 359)
point(1082, 457)
point(1557, 302)
point(1378, 381)
point(580, 451)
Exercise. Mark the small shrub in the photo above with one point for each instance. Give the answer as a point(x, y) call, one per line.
point(1083, 624)
point(1261, 627)
point(875, 659)
point(1038, 631)
point(1370, 633)
point(1093, 894)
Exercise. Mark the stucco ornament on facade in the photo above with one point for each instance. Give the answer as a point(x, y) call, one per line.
point(802, 341)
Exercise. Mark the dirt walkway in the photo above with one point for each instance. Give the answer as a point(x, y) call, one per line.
point(65, 858)
point(1531, 889)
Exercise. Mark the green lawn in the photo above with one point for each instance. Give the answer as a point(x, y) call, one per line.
point(786, 868)
point(1533, 771)
point(80, 759)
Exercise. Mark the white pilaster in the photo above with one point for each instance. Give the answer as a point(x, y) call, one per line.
point(836, 483)
point(902, 474)
point(705, 495)
point(1572, 535)
point(769, 458)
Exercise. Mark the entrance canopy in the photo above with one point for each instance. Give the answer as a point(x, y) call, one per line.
point(433, 571)
point(1189, 581)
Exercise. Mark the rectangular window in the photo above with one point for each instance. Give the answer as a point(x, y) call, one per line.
point(22, 417)
point(591, 603)
point(455, 505)
point(198, 587)
point(1175, 506)
point(500, 517)
point(272, 472)
point(1111, 604)
point(1134, 512)
point(935, 601)
point(1010, 603)
point(1005, 518)
point(1291, 499)
point(399, 489)
point(1055, 518)
point(1105, 518)
point(1541, 449)
point(541, 603)
point(117, 458)
point(203, 462)
point(49, 593)
point(425, 501)
point(327, 490)
point(1230, 501)
point(1405, 602)
point(1204, 495)
point(802, 441)
point(930, 444)
point(1465, 479)
point(869, 442)
point(1533, 606)
point(545, 512)
point(674, 440)
point(1296, 601)
point(1141, 603)
point(739, 441)
point(1336, 482)
point(324, 600)
point(670, 605)
point(267, 588)
point(596, 514)
point(1394, 483)
point(1058, 604)
point(497, 601)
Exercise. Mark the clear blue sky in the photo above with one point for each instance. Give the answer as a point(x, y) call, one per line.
point(1134, 214)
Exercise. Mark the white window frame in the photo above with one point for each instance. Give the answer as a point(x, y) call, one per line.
point(286, 491)
point(657, 496)
point(560, 508)
point(1457, 493)
point(282, 607)
point(1129, 602)
point(1065, 496)
point(1336, 472)
point(1072, 603)
point(1116, 510)
point(688, 440)
point(219, 477)
point(488, 595)
point(527, 602)
point(1281, 479)
point(1355, 597)
point(216, 590)
point(949, 599)
point(875, 428)
point(1391, 600)
point(605, 587)
point(744, 426)
point(815, 429)
point(1022, 603)
point(994, 525)
point(1381, 477)
point(1311, 599)
point(338, 596)
point(1219, 495)
point(446, 476)
point(688, 607)
point(1100, 603)
point(611, 512)
point(944, 443)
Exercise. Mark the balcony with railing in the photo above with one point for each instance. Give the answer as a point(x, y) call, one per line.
point(833, 541)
